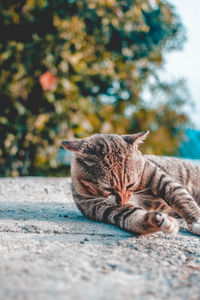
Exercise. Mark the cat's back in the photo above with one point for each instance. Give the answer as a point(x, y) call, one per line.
point(181, 170)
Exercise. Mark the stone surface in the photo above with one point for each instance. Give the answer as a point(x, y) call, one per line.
point(48, 250)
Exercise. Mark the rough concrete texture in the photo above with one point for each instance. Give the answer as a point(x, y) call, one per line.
point(48, 250)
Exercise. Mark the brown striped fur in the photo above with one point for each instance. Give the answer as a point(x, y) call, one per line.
point(113, 182)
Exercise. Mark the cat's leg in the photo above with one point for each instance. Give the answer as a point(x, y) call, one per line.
point(136, 219)
point(127, 217)
point(150, 202)
point(175, 195)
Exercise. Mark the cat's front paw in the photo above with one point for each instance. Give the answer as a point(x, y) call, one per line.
point(167, 224)
point(195, 228)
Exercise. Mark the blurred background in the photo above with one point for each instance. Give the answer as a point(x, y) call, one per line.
point(69, 69)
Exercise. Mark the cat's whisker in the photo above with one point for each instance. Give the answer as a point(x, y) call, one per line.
point(98, 200)
point(106, 204)
point(141, 191)
point(91, 200)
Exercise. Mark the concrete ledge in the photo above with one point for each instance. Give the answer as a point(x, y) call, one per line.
point(48, 250)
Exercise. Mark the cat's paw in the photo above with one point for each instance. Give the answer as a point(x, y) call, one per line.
point(195, 228)
point(167, 224)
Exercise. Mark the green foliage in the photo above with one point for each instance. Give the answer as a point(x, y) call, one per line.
point(100, 54)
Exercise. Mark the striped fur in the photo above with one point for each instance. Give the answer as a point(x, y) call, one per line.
point(113, 182)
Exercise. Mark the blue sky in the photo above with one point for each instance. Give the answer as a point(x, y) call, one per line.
point(186, 63)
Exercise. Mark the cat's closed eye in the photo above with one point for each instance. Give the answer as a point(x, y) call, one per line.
point(130, 186)
point(112, 190)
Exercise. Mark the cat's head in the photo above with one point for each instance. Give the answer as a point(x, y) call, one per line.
point(107, 164)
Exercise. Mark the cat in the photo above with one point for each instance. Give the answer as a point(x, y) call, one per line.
point(113, 182)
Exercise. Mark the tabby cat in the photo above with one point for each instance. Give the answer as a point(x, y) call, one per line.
point(113, 182)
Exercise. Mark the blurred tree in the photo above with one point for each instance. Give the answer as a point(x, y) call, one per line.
point(72, 68)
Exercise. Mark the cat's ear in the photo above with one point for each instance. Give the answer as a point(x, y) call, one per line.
point(137, 138)
point(73, 146)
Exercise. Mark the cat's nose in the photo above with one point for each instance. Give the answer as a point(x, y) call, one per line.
point(122, 198)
